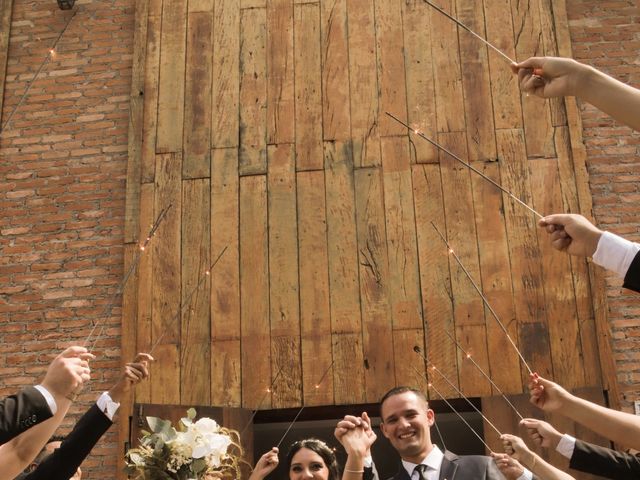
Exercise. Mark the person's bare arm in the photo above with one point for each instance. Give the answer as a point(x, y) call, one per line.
point(516, 448)
point(549, 77)
point(620, 427)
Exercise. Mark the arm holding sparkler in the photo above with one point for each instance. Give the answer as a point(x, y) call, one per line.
point(575, 235)
point(267, 464)
point(584, 456)
point(516, 448)
point(620, 427)
point(356, 436)
point(549, 77)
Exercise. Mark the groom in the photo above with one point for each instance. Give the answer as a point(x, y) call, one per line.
point(406, 421)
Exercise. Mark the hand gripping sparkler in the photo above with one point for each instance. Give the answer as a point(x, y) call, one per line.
point(484, 299)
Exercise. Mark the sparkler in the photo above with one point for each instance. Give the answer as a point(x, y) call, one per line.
point(430, 384)
point(302, 407)
point(264, 397)
point(468, 356)
point(482, 39)
point(50, 54)
point(187, 303)
point(437, 370)
point(120, 289)
point(484, 299)
point(468, 165)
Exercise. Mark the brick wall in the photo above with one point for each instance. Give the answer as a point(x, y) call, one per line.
point(606, 34)
point(63, 162)
point(63, 165)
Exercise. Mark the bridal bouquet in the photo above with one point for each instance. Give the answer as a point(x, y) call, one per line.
point(194, 451)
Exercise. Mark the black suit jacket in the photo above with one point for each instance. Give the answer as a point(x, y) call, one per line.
point(22, 411)
point(454, 467)
point(604, 462)
point(63, 462)
point(632, 277)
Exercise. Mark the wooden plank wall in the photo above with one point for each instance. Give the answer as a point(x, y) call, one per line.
point(262, 123)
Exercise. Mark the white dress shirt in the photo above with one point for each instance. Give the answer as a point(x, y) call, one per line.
point(107, 405)
point(615, 253)
point(566, 446)
point(49, 398)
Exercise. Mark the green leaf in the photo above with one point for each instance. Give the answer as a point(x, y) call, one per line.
point(191, 413)
point(158, 425)
point(198, 465)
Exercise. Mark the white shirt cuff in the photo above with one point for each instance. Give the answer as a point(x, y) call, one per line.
point(368, 461)
point(615, 253)
point(107, 405)
point(566, 445)
point(49, 398)
point(527, 475)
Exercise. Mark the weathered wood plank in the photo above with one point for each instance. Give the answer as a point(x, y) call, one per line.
point(197, 119)
point(226, 380)
point(315, 316)
point(550, 48)
point(579, 267)
point(6, 10)
point(435, 277)
point(495, 273)
point(165, 382)
point(225, 278)
point(363, 82)
point(280, 65)
point(166, 251)
point(136, 110)
point(129, 334)
point(308, 87)
point(225, 93)
point(446, 71)
point(254, 290)
point(374, 283)
point(473, 339)
point(335, 70)
point(283, 241)
point(476, 83)
point(285, 355)
point(253, 91)
point(505, 92)
point(347, 355)
point(145, 285)
point(564, 331)
point(150, 108)
point(537, 117)
point(391, 67)
point(172, 76)
point(196, 299)
point(205, 6)
point(404, 356)
point(341, 238)
point(526, 270)
point(404, 282)
point(420, 78)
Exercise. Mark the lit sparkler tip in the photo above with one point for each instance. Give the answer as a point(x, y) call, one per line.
point(433, 367)
point(207, 272)
point(429, 385)
point(142, 247)
point(451, 250)
point(317, 386)
point(268, 390)
point(468, 355)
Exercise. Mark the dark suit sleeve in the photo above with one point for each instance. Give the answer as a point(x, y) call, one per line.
point(632, 277)
point(604, 462)
point(370, 473)
point(63, 462)
point(22, 411)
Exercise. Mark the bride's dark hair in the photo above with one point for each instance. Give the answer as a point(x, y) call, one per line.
point(319, 447)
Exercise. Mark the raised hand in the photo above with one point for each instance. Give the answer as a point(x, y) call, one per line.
point(267, 464)
point(548, 77)
point(132, 374)
point(572, 233)
point(545, 394)
point(509, 466)
point(542, 433)
point(68, 372)
point(355, 434)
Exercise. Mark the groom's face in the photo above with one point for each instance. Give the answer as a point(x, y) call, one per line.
point(406, 419)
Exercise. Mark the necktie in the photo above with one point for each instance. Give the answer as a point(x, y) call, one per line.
point(422, 472)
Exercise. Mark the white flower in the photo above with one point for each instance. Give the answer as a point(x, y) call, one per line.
point(203, 439)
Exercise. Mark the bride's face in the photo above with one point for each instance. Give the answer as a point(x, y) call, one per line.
point(308, 465)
